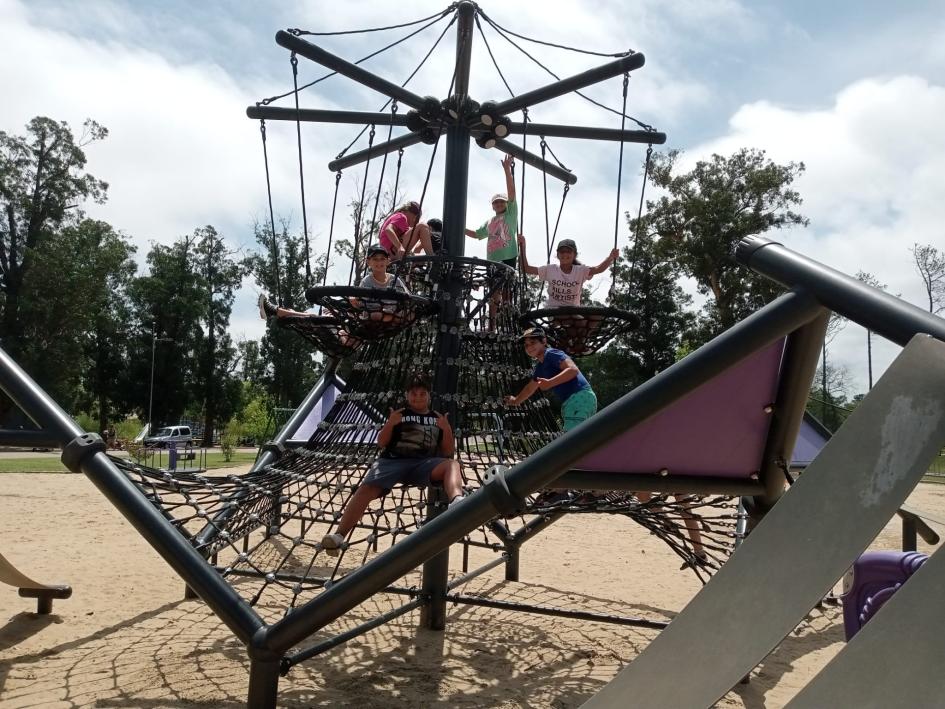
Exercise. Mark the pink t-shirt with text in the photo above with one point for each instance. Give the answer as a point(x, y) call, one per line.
point(563, 288)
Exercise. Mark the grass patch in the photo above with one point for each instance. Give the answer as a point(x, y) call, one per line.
point(52, 464)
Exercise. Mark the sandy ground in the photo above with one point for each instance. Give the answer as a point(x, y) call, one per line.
point(127, 638)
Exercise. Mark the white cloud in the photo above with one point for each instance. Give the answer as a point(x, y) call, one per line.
point(872, 185)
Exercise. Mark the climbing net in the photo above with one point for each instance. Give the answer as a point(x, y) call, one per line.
point(263, 529)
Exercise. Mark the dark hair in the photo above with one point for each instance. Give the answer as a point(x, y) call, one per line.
point(435, 224)
point(412, 207)
point(417, 380)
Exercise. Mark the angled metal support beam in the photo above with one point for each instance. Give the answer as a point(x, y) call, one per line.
point(528, 158)
point(390, 146)
point(572, 83)
point(313, 115)
point(346, 68)
point(235, 612)
point(884, 314)
point(551, 130)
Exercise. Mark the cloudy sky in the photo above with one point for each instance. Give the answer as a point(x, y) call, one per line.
point(855, 90)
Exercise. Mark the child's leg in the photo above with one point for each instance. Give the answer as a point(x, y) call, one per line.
point(452, 476)
point(418, 236)
point(695, 536)
point(580, 406)
point(356, 506)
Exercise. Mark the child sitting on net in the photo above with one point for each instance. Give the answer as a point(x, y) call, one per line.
point(377, 277)
point(417, 447)
point(402, 232)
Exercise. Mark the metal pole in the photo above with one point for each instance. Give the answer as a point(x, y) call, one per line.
point(550, 130)
point(346, 68)
point(390, 146)
point(279, 113)
point(151, 395)
point(553, 170)
point(874, 309)
point(572, 83)
point(133, 505)
point(446, 377)
point(436, 571)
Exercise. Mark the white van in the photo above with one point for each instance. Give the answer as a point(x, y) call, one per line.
point(170, 434)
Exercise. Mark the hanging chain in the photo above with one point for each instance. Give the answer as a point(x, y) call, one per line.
point(356, 248)
point(294, 61)
point(272, 217)
point(623, 123)
point(640, 225)
point(331, 227)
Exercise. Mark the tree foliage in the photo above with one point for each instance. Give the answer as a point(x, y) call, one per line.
point(645, 285)
point(708, 210)
point(42, 185)
point(290, 367)
point(930, 263)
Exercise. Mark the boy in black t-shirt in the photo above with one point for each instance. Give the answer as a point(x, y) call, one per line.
point(416, 447)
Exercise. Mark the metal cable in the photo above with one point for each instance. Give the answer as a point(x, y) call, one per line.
point(294, 61)
point(272, 217)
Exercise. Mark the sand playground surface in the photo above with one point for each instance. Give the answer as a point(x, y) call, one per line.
point(127, 637)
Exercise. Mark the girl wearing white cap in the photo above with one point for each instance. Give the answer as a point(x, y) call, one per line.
point(501, 228)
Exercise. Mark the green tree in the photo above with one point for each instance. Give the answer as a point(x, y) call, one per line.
point(708, 210)
point(76, 345)
point(930, 264)
point(168, 305)
point(290, 365)
point(645, 285)
point(42, 185)
point(218, 276)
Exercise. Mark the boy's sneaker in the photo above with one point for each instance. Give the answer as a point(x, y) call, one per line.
point(266, 309)
point(332, 544)
point(456, 500)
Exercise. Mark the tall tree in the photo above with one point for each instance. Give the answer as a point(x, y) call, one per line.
point(74, 345)
point(168, 306)
point(930, 263)
point(42, 185)
point(218, 275)
point(870, 280)
point(708, 210)
point(645, 285)
point(291, 366)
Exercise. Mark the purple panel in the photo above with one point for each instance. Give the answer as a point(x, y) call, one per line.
point(877, 575)
point(718, 429)
point(317, 414)
point(808, 445)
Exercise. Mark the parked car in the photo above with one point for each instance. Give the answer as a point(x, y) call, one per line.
point(170, 434)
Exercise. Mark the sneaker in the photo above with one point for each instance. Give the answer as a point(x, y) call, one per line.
point(266, 309)
point(332, 544)
point(456, 500)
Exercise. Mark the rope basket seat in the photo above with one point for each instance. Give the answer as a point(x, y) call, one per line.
point(370, 313)
point(324, 332)
point(581, 330)
point(424, 273)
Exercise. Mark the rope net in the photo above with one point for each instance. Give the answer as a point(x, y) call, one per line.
point(263, 530)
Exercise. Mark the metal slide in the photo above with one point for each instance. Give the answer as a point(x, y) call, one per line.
point(804, 544)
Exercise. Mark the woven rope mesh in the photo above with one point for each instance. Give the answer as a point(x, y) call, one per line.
point(263, 529)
